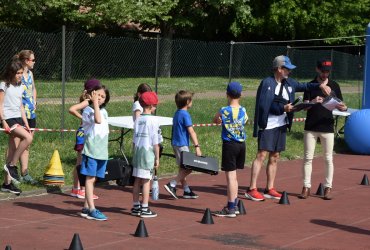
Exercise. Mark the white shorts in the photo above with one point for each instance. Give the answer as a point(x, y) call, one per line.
point(142, 173)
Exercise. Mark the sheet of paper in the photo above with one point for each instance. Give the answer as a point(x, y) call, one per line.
point(331, 103)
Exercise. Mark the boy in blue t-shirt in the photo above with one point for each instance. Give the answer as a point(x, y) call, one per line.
point(233, 118)
point(182, 130)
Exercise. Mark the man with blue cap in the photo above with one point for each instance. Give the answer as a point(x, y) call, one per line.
point(273, 116)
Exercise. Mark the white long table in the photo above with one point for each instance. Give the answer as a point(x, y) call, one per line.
point(338, 114)
point(126, 123)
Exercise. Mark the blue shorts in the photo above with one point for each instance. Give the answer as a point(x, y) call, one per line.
point(93, 167)
point(272, 140)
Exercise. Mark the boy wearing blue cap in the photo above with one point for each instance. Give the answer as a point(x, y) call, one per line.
point(273, 116)
point(233, 118)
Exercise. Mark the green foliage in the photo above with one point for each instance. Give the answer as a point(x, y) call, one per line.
point(204, 19)
point(293, 19)
point(88, 14)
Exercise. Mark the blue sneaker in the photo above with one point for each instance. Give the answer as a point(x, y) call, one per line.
point(96, 215)
point(84, 212)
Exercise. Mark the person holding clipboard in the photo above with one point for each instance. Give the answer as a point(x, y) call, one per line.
point(320, 124)
point(273, 116)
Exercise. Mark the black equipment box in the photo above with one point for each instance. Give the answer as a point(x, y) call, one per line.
point(119, 170)
point(204, 164)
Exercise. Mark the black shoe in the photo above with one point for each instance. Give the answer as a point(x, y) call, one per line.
point(171, 190)
point(13, 172)
point(225, 212)
point(190, 195)
point(11, 188)
point(147, 213)
point(237, 212)
point(136, 211)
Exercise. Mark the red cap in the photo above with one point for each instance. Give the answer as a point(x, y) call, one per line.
point(148, 98)
point(324, 65)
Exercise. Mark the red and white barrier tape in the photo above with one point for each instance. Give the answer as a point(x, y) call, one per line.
point(59, 130)
point(117, 130)
point(249, 123)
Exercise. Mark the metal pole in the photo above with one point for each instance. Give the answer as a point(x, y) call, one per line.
point(63, 76)
point(156, 64)
point(366, 86)
point(156, 67)
point(332, 60)
point(359, 82)
point(231, 59)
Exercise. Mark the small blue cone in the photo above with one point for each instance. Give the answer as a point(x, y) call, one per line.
point(320, 190)
point(141, 230)
point(76, 243)
point(207, 217)
point(284, 199)
point(242, 210)
point(365, 180)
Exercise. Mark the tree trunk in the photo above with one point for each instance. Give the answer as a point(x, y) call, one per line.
point(165, 50)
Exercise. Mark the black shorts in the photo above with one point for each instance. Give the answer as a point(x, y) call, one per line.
point(32, 123)
point(272, 140)
point(12, 121)
point(233, 155)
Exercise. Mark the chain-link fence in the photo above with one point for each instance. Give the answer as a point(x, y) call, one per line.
point(156, 60)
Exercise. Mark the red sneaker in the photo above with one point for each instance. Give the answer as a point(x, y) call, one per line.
point(79, 193)
point(74, 192)
point(254, 195)
point(272, 194)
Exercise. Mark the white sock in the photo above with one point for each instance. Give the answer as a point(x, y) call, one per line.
point(173, 183)
point(187, 189)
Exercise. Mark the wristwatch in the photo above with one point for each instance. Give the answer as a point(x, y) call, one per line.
point(196, 146)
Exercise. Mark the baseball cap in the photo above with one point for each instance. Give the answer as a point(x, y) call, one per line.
point(324, 64)
point(234, 88)
point(91, 84)
point(282, 61)
point(149, 98)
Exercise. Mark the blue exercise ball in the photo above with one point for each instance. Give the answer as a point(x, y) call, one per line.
point(357, 132)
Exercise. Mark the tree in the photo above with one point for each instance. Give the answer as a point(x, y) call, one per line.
point(203, 19)
point(49, 15)
point(247, 20)
point(303, 19)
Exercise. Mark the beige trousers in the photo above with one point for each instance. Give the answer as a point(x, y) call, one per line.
point(327, 143)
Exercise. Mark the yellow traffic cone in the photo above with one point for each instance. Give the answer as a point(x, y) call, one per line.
point(55, 165)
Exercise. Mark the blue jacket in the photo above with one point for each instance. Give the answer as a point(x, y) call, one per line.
point(266, 94)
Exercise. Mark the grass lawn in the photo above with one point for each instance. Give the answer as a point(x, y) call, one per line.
point(203, 111)
point(127, 86)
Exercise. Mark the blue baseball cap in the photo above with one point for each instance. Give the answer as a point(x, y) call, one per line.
point(234, 88)
point(282, 61)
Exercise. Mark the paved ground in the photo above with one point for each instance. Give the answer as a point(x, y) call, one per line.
point(48, 221)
